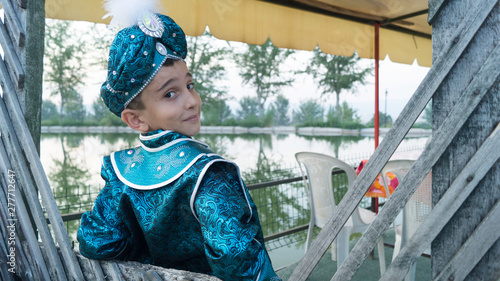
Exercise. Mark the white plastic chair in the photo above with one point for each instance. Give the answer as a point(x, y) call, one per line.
point(416, 209)
point(319, 186)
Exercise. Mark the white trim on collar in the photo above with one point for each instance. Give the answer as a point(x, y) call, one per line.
point(141, 137)
point(153, 186)
point(156, 149)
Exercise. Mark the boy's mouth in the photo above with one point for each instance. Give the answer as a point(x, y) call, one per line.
point(192, 118)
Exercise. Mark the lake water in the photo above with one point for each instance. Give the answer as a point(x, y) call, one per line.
point(72, 163)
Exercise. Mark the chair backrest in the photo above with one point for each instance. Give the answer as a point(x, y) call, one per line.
point(318, 168)
point(419, 206)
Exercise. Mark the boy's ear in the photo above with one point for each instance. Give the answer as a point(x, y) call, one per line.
point(131, 117)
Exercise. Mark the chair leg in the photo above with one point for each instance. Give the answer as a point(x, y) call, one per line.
point(381, 255)
point(397, 247)
point(334, 250)
point(309, 236)
point(342, 246)
point(411, 274)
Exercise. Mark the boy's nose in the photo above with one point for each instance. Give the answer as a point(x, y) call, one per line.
point(192, 99)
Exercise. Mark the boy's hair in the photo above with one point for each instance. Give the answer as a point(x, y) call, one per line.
point(137, 103)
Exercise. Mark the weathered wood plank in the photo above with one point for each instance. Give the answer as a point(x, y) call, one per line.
point(471, 252)
point(23, 3)
point(11, 57)
point(32, 58)
point(13, 23)
point(8, 224)
point(36, 168)
point(152, 275)
point(478, 127)
point(25, 182)
point(91, 269)
point(39, 268)
point(435, 7)
point(442, 137)
point(113, 271)
point(415, 106)
point(451, 201)
point(470, 98)
point(4, 273)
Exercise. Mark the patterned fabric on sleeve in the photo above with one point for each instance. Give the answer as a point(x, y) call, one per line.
point(234, 243)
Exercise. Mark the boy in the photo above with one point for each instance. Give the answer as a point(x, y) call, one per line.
point(171, 202)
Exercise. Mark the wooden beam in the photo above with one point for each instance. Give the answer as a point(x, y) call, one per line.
point(28, 154)
point(443, 64)
point(11, 57)
point(91, 268)
point(451, 201)
point(478, 127)
point(22, 218)
point(23, 3)
point(442, 137)
point(113, 271)
point(14, 152)
point(476, 246)
point(13, 23)
point(435, 7)
point(33, 63)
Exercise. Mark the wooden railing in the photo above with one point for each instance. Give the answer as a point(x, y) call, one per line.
point(441, 139)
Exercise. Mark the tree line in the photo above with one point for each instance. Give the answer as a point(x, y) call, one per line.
point(265, 68)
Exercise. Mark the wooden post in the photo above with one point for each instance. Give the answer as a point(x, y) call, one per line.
point(29, 47)
point(446, 16)
point(34, 18)
point(33, 62)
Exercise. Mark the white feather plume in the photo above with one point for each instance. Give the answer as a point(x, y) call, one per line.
point(125, 13)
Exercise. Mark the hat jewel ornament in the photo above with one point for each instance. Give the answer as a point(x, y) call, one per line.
point(151, 25)
point(139, 50)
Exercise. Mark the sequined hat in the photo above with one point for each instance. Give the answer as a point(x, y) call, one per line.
point(137, 54)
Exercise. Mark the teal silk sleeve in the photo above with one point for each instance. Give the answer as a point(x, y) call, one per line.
point(233, 239)
point(102, 234)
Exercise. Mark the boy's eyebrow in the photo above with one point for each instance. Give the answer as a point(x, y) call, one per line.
point(165, 85)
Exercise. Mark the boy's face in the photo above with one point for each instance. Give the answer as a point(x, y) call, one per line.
point(170, 101)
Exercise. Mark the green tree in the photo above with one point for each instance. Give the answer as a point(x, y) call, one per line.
point(336, 74)
point(248, 113)
point(427, 118)
point(428, 114)
point(101, 38)
point(216, 114)
point(63, 62)
point(102, 116)
point(261, 67)
point(280, 109)
point(308, 114)
point(75, 111)
point(344, 117)
point(49, 110)
point(204, 59)
point(385, 121)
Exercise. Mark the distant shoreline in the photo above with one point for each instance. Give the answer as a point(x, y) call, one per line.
point(282, 130)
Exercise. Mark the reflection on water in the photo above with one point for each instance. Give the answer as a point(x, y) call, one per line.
point(72, 163)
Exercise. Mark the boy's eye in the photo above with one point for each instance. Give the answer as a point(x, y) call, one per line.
point(170, 95)
point(190, 86)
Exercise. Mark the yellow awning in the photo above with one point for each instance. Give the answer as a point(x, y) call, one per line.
point(253, 21)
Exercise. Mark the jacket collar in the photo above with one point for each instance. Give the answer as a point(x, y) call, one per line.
point(158, 138)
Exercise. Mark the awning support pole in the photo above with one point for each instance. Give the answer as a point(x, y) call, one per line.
point(376, 118)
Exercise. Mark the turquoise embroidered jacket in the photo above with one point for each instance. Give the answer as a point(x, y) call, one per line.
point(174, 203)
